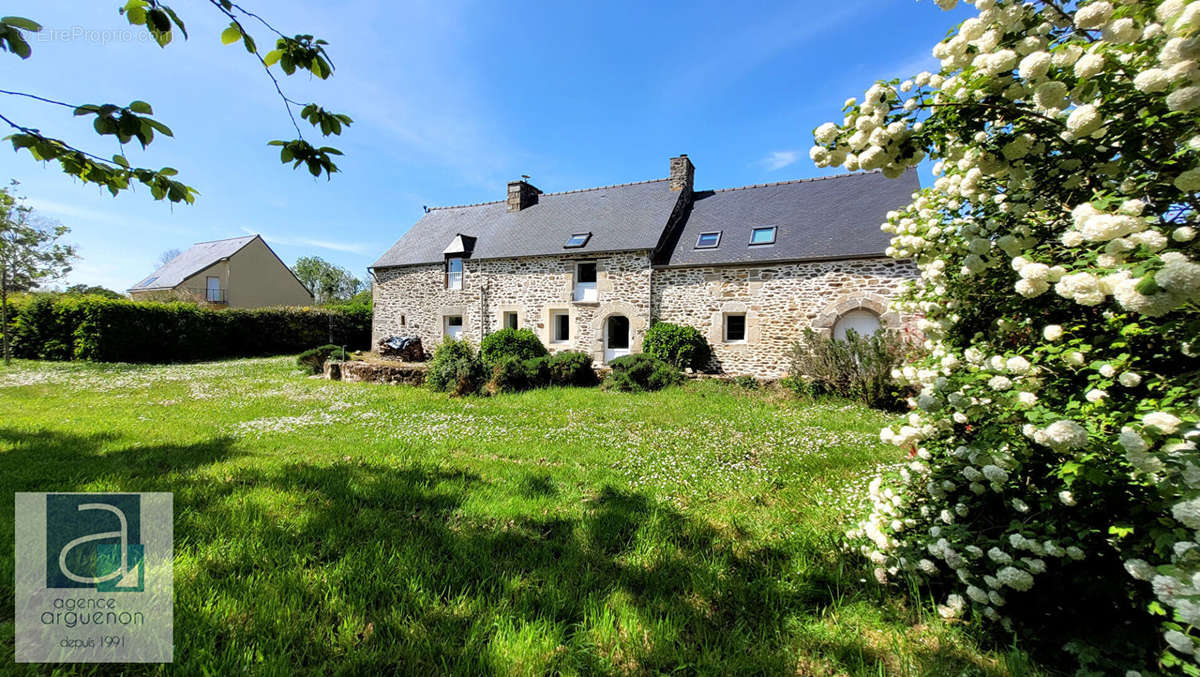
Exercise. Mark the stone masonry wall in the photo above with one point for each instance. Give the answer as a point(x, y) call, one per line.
point(413, 300)
point(779, 301)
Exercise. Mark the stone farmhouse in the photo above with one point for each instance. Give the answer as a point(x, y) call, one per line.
point(591, 270)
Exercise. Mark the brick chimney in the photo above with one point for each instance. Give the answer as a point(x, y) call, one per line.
point(682, 172)
point(521, 194)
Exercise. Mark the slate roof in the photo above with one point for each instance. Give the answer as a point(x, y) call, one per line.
point(824, 218)
point(625, 217)
point(200, 256)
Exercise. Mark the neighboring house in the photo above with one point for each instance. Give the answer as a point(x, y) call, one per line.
point(241, 272)
point(590, 270)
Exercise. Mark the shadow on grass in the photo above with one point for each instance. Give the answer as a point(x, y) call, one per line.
point(352, 568)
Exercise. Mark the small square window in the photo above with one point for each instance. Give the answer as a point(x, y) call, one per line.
point(764, 235)
point(577, 240)
point(735, 328)
point(453, 327)
point(510, 320)
point(708, 240)
point(560, 326)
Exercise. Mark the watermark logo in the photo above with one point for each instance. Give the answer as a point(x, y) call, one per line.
point(94, 578)
point(93, 541)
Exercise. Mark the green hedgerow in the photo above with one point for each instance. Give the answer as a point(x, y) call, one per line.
point(679, 345)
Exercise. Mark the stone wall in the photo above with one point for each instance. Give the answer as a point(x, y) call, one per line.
point(413, 300)
point(779, 302)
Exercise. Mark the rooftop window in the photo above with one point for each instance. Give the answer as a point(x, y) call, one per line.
point(708, 240)
point(148, 282)
point(577, 240)
point(763, 235)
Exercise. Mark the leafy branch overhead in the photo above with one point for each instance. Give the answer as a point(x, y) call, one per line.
point(134, 121)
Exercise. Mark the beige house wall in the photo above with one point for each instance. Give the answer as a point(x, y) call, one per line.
point(254, 277)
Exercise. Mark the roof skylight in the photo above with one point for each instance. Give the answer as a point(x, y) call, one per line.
point(708, 240)
point(577, 240)
point(762, 235)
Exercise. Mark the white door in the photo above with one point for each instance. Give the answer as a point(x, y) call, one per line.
point(213, 292)
point(863, 322)
point(454, 325)
point(616, 337)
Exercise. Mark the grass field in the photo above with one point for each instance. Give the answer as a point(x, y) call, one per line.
point(334, 528)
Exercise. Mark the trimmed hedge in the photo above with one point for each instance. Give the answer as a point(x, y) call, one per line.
point(456, 369)
point(681, 346)
point(110, 330)
point(572, 368)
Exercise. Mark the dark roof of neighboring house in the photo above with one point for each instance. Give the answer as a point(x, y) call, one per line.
point(823, 218)
point(620, 218)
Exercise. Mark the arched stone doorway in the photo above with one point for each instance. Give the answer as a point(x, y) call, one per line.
point(864, 313)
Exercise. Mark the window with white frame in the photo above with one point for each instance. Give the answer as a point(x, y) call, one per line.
point(511, 320)
point(452, 326)
point(454, 273)
point(735, 328)
point(585, 281)
point(708, 240)
point(560, 326)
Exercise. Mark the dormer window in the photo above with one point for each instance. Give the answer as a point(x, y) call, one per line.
point(763, 235)
point(454, 273)
point(708, 240)
point(577, 240)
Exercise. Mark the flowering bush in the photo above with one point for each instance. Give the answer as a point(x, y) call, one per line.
point(1056, 423)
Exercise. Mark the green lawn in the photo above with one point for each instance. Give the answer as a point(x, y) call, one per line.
point(334, 528)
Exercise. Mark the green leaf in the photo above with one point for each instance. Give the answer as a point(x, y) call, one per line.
point(136, 16)
point(22, 23)
point(175, 18)
point(141, 107)
point(160, 127)
point(272, 57)
point(231, 35)
point(120, 159)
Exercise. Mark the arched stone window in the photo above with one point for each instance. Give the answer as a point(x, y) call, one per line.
point(864, 313)
point(860, 321)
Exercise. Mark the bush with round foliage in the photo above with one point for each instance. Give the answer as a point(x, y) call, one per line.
point(572, 368)
point(314, 359)
point(1054, 435)
point(512, 374)
point(456, 369)
point(679, 345)
point(522, 344)
point(640, 373)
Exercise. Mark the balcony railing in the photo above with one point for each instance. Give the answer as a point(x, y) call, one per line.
point(209, 295)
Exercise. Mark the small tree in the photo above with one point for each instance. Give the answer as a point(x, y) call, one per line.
point(327, 282)
point(29, 253)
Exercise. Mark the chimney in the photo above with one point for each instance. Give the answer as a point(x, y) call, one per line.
point(682, 172)
point(521, 194)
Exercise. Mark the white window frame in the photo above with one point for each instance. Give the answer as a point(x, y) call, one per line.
point(554, 336)
point(462, 324)
point(725, 328)
point(586, 292)
point(454, 279)
point(709, 246)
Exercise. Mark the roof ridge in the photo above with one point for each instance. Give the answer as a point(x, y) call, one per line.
point(563, 192)
point(808, 180)
point(226, 239)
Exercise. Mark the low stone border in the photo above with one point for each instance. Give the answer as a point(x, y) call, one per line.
point(399, 373)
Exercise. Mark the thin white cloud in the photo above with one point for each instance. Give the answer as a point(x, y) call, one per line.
point(779, 159)
point(348, 247)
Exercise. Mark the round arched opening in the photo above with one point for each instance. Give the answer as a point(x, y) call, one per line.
point(863, 322)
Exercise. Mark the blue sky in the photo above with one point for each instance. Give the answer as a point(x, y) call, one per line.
point(450, 100)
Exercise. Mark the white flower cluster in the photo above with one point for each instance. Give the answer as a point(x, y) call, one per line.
point(1035, 194)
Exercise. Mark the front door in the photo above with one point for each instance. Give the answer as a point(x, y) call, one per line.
point(213, 291)
point(616, 337)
